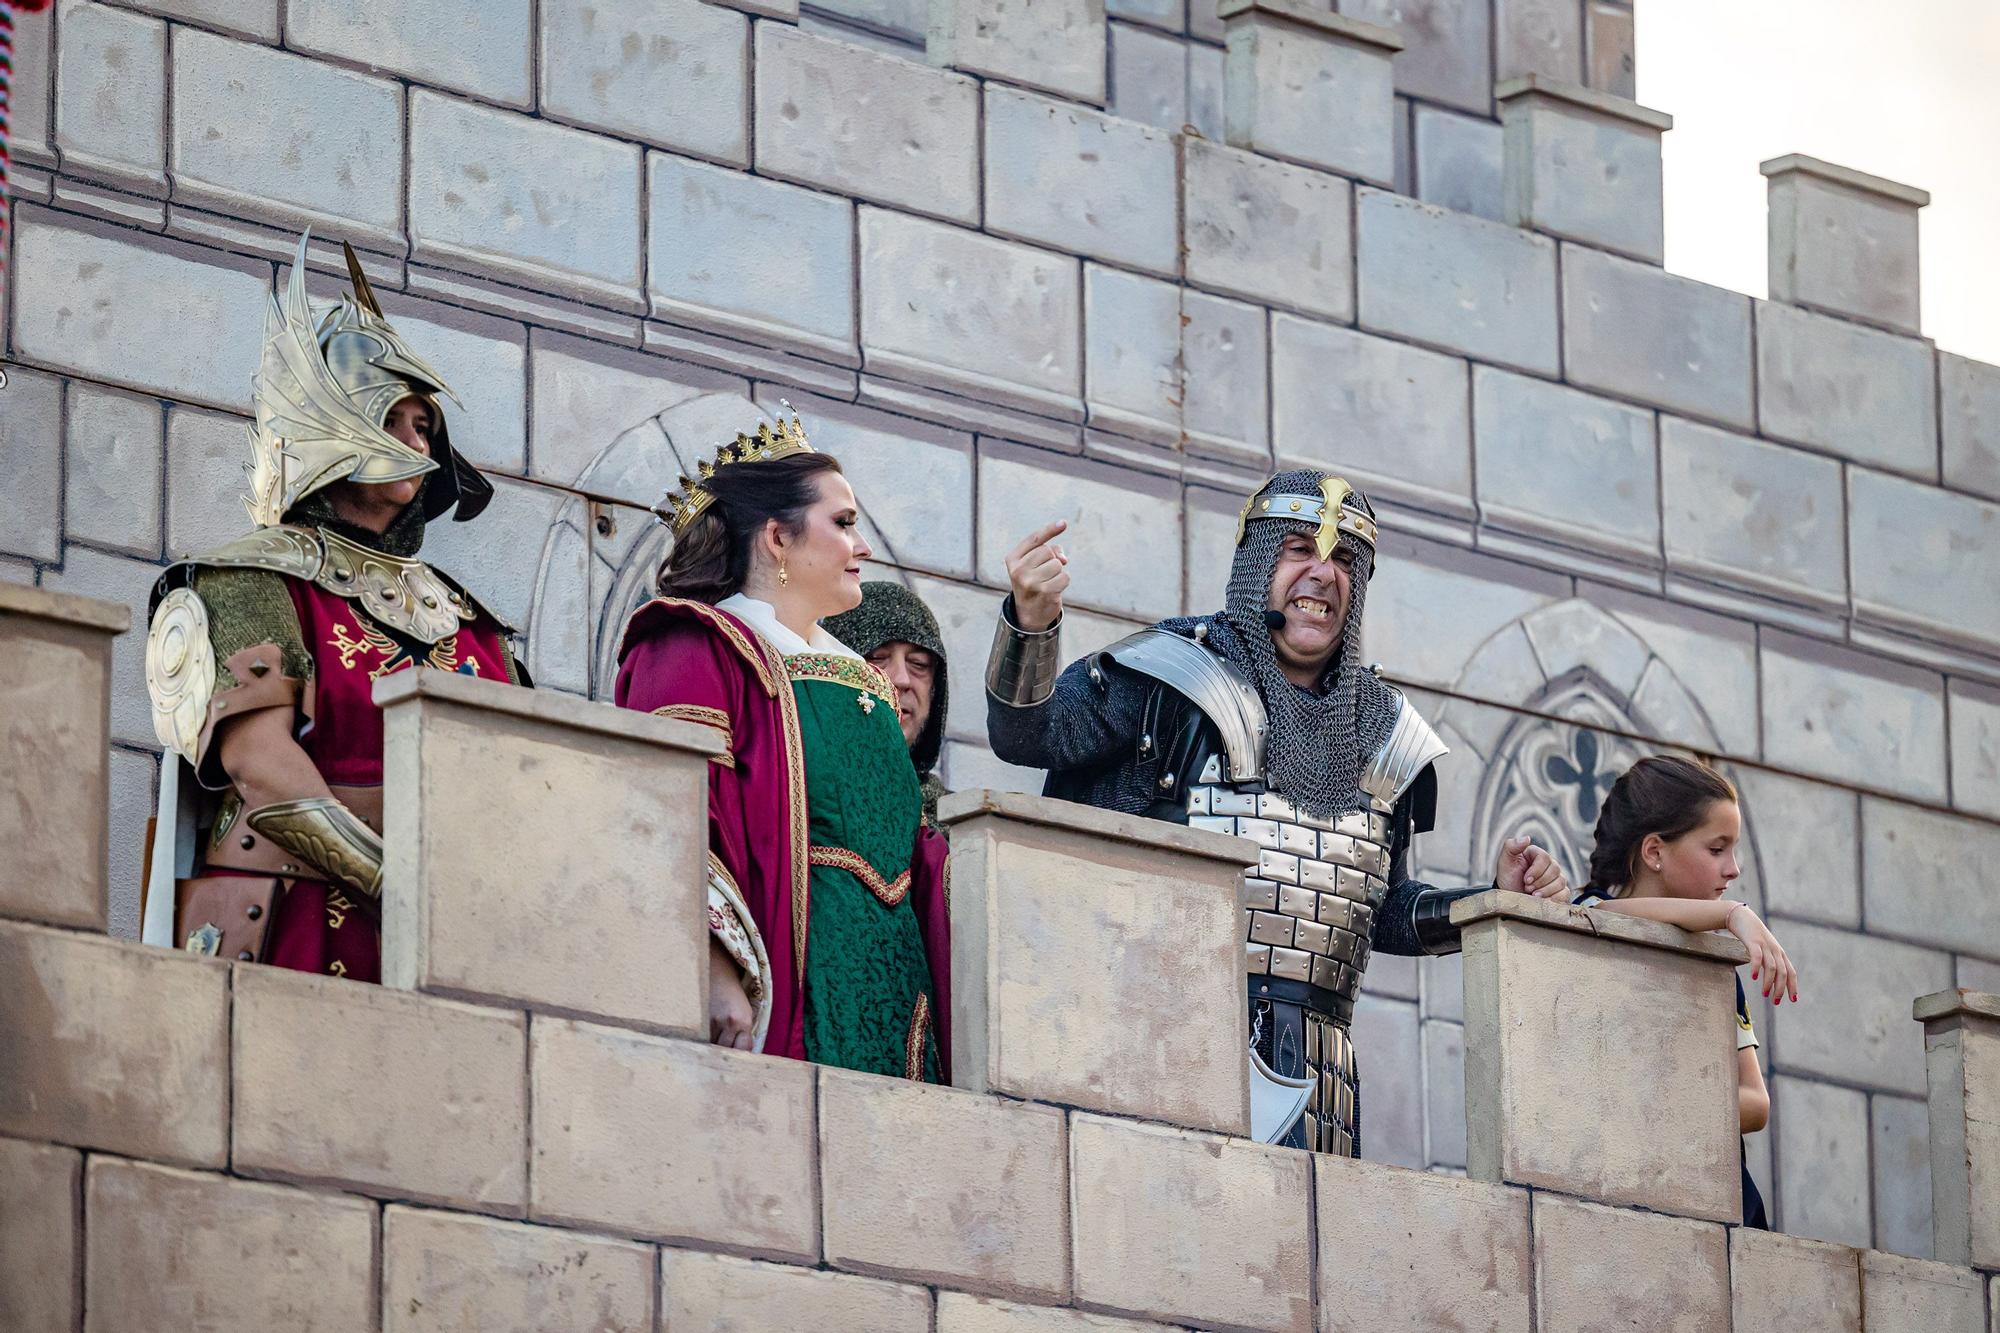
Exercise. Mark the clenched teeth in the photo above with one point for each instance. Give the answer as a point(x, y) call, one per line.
point(1312, 606)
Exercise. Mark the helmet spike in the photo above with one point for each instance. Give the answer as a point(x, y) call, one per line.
point(364, 295)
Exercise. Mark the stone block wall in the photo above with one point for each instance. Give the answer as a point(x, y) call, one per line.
point(193, 1142)
point(1013, 263)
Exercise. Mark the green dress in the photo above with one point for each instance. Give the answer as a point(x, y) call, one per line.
point(868, 1001)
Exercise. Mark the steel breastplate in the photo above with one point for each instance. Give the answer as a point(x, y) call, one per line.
point(1309, 903)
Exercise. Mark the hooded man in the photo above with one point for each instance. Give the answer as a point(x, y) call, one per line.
point(262, 654)
point(896, 632)
point(1260, 721)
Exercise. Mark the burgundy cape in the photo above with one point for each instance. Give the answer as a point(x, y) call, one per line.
point(692, 661)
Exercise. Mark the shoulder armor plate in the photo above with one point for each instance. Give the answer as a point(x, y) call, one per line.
point(404, 594)
point(1223, 693)
point(1412, 747)
point(287, 550)
point(180, 670)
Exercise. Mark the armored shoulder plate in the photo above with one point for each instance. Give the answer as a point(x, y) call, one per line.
point(287, 550)
point(180, 670)
point(404, 594)
point(1412, 747)
point(180, 657)
point(1224, 694)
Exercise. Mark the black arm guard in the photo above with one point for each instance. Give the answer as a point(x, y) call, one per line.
point(1415, 918)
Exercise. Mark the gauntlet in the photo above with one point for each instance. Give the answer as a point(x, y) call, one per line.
point(1024, 664)
point(327, 836)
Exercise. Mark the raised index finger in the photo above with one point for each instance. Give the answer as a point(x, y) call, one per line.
point(1036, 538)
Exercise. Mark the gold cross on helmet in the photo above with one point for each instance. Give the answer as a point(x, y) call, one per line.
point(1330, 509)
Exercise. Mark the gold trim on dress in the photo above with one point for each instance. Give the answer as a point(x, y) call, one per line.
point(913, 1045)
point(795, 788)
point(740, 938)
point(768, 664)
point(850, 671)
point(704, 716)
point(890, 892)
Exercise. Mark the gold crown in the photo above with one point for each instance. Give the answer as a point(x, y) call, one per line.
point(690, 498)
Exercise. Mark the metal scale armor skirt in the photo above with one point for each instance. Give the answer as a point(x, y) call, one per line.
point(1309, 917)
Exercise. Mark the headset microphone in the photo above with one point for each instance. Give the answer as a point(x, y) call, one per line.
point(1274, 620)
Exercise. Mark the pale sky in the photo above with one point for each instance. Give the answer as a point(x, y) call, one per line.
point(1908, 90)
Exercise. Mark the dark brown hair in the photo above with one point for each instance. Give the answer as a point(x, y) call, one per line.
point(711, 559)
point(1661, 794)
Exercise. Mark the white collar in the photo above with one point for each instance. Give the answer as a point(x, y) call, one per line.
point(763, 617)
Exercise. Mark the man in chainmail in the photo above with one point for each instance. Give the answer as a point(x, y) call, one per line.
point(1260, 721)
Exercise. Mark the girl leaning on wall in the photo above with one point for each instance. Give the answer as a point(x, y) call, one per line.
point(1666, 851)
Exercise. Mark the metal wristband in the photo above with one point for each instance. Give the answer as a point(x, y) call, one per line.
point(1022, 670)
point(327, 836)
point(1430, 919)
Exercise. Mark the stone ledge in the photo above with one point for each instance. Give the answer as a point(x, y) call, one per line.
point(1604, 104)
point(1954, 1003)
point(1316, 19)
point(935, 1185)
point(961, 806)
point(114, 1046)
point(1603, 925)
point(1039, 1009)
point(448, 1076)
point(590, 905)
point(1847, 176)
point(548, 706)
point(18, 599)
point(1778, 1280)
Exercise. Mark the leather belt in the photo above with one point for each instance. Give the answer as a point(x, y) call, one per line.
point(1336, 1007)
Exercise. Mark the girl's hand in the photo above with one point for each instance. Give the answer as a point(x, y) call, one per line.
point(1768, 960)
point(732, 1019)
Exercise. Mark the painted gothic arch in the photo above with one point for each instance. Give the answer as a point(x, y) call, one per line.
point(1522, 773)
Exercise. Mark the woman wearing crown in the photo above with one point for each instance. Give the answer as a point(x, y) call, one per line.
point(829, 938)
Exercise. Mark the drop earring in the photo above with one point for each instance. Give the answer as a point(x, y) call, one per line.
point(784, 576)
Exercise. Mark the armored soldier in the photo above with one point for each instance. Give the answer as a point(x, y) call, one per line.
point(262, 654)
point(1260, 721)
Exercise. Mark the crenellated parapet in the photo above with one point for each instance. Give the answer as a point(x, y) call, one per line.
point(1552, 995)
point(1015, 261)
point(55, 658)
point(510, 1137)
point(558, 907)
point(1962, 1048)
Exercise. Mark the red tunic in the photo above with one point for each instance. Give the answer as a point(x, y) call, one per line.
point(329, 928)
point(692, 660)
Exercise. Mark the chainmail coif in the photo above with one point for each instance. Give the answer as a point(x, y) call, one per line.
point(1319, 743)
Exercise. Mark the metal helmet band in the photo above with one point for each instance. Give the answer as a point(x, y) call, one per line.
point(1337, 509)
